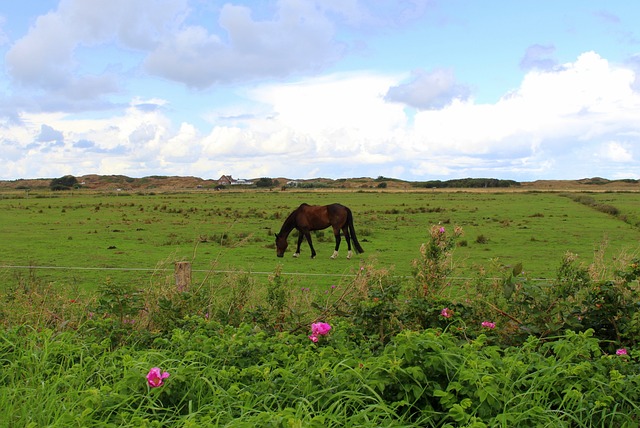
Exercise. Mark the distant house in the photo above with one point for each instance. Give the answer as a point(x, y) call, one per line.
point(241, 181)
point(227, 180)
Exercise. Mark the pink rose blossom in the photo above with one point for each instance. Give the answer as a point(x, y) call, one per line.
point(320, 328)
point(156, 377)
point(446, 312)
point(488, 324)
point(621, 351)
point(313, 338)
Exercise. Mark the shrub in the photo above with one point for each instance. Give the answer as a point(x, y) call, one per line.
point(481, 239)
point(66, 182)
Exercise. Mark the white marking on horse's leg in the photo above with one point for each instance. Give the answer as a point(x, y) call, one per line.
point(334, 255)
point(296, 254)
point(349, 254)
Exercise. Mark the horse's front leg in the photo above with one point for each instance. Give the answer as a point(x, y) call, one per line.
point(300, 238)
point(313, 252)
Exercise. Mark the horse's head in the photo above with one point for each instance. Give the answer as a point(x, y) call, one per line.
point(281, 244)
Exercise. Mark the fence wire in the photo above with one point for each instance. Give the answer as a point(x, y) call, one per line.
point(216, 271)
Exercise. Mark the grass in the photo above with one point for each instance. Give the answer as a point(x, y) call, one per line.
point(239, 353)
point(136, 237)
point(236, 377)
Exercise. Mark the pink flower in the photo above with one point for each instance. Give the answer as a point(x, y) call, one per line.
point(488, 324)
point(446, 312)
point(156, 377)
point(320, 328)
point(441, 230)
point(621, 351)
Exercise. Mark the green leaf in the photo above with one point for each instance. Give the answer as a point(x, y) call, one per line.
point(458, 413)
point(517, 269)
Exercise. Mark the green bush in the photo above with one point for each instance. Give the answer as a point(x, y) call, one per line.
point(66, 182)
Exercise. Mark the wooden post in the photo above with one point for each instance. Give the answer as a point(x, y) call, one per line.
point(183, 276)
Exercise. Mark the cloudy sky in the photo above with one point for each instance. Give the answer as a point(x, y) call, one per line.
point(411, 89)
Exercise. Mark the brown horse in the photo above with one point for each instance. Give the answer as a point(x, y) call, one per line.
point(307, 218)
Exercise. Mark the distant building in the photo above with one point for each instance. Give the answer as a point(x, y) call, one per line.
point(241, 181)
point(227, 180)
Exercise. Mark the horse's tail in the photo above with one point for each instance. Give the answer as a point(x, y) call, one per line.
point(352, 232)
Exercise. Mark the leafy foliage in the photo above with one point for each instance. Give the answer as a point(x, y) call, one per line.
point(468, 183)
point(266, 182)
point(66, 182)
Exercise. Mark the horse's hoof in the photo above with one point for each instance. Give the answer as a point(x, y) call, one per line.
point(296, 254)
point(334, 255)
point(349, 254)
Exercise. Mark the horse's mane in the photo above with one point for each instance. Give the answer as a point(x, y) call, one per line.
point(290, 222)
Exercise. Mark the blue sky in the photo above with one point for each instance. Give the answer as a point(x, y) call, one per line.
point(413, 89)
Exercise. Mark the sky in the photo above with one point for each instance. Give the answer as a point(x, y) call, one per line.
point(410, 89)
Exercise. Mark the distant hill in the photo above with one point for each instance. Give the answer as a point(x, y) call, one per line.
point(176, 183)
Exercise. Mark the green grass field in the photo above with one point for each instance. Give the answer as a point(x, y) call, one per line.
point(555, 353)
point(84, 238)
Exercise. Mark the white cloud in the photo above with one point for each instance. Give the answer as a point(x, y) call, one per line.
point(298, 38)
point(182, 147)
point(168, 40)
point(45, 58)
point(429, 90)
point(585, 100)
point(617, 152)
point(335, 104)
point(564, 123)
point(538, 57)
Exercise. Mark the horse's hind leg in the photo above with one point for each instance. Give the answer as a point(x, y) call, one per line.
point(313, 252)
point(300, 238)
point(347, 238)
point(336, 234)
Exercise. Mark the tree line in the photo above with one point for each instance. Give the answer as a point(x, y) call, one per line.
point(468, 183)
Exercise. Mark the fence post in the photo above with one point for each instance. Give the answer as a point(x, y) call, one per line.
point(183, 276)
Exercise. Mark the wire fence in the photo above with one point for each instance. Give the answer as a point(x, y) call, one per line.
point(223, 271)
point(134, 269)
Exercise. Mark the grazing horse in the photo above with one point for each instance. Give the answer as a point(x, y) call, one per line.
point(307, 218)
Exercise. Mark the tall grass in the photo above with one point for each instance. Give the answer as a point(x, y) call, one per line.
point(223, 376)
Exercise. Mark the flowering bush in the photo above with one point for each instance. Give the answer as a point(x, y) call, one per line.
point(430, 271)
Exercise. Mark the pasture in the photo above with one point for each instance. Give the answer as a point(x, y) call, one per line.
point(518, 352)
point(84, 239)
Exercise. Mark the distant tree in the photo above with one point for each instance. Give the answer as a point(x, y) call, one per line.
point(66, 182)
point(382, 185)
point(265, 182)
